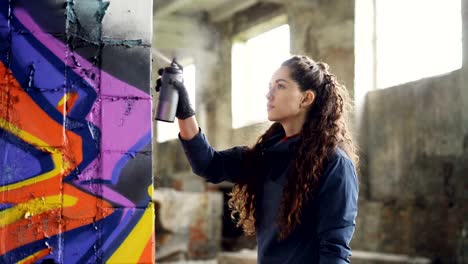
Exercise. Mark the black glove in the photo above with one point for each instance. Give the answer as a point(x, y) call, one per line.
point(184, 108)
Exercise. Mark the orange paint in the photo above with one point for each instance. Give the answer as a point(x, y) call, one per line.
point(22, 112)
point(148, 252)
point(24, 117)
point(87, 210)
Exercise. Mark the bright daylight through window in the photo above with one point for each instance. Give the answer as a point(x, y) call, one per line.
point(253, 63)
point(416, 39)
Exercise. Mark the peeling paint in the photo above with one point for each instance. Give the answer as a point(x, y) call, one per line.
point(101, 11)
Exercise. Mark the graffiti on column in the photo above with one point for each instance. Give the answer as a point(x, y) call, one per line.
point(75, 133)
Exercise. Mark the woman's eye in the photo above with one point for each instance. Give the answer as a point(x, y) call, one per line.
point(281, 86)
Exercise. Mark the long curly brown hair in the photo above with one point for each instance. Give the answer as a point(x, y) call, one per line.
point(324, 129)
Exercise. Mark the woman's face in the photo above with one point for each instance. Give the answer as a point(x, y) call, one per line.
point(284, 97)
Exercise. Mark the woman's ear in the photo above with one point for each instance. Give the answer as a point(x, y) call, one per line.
point(308, 98)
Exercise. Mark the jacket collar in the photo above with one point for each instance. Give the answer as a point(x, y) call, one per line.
point(274, 145)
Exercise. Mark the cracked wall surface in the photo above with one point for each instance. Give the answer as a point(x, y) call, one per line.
point(75, 132)
point(415, 180)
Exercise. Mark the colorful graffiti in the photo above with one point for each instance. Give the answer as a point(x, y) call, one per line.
point(75, 138)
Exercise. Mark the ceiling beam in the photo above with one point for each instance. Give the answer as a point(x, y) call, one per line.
point(227, 10)
point(174, 23)
point(170, 7)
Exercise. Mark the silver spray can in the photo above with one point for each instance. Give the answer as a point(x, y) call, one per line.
point(168, 95)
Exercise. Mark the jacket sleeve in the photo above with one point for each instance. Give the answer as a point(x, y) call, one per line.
point(337, 212)
point(214, 166)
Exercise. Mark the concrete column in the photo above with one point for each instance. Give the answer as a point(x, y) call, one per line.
point(324, 30)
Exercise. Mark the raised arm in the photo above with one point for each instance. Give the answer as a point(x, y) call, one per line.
point(214, 166)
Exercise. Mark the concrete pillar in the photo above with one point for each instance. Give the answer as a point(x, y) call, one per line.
point(75, 132)
point(324, 30)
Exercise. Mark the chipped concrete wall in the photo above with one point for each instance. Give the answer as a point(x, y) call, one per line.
point(415, 183)
point(417, 169)
point(194, 229)
point(75, 132)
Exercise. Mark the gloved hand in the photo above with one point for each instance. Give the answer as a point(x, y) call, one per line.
point(184, 108)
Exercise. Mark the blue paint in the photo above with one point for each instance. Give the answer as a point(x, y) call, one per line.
point(13, 153)
point(4, 206)
point(125, 158)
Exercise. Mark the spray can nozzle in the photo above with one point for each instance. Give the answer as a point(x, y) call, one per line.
point(175, 64)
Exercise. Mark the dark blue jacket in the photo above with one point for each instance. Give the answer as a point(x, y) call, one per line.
point(328, 221)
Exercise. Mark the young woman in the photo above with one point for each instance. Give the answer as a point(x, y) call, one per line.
point(296, 189)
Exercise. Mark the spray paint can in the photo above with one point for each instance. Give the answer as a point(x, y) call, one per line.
point(168, 94)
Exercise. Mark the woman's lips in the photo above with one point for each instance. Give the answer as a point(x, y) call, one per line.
point(269, 107)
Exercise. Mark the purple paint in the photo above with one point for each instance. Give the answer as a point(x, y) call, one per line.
point(117, 137)
point(120, 129)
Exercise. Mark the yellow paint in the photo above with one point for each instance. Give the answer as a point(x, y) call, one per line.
point(150, 190)
point(132, 247)
point(63, 100)
point(35, 206)
point(32, 258)
point(57, 158)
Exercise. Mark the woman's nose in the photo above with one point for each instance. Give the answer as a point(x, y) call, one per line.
point(269, 95)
